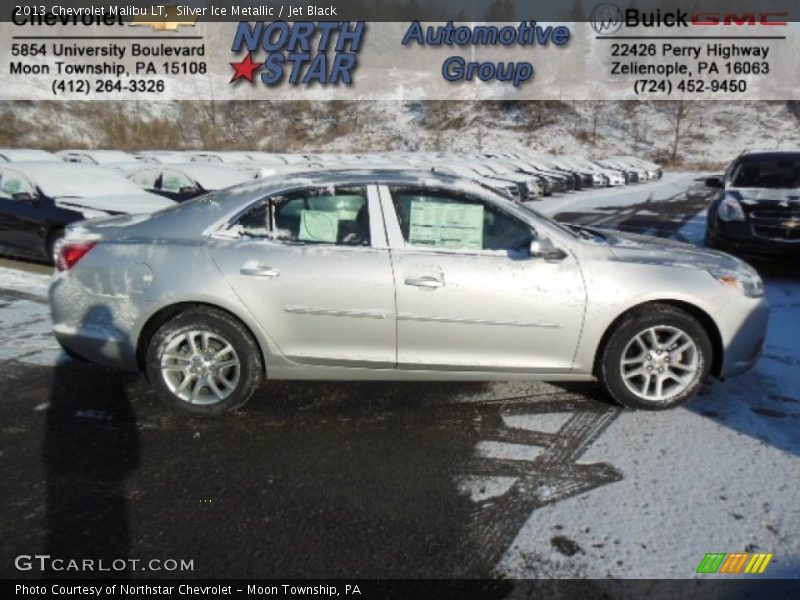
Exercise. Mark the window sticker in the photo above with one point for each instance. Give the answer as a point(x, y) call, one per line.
point(446, 225)
point(318, 226)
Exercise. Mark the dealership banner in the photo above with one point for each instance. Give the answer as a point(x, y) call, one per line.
point(270, 50)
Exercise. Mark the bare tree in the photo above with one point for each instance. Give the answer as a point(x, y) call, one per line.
point(678, 113)
point(595, 109)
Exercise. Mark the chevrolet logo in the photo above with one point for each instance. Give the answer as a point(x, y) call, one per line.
point(170, 21)
point(791, 224)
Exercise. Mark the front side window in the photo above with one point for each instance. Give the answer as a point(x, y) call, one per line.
point(443, 219)
point(336, 215)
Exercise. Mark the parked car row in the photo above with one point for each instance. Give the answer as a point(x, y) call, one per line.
point(42, 192)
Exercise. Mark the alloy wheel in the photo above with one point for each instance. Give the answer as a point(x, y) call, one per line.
point(200, 367)
point(660, 363)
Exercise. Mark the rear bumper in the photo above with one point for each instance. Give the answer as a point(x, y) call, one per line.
point(98, 349)
point(91, 327)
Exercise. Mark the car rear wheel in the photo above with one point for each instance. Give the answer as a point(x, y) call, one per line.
point(204, 361)
point(656, 358)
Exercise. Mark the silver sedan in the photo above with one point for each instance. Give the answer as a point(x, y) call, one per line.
point(370, 274)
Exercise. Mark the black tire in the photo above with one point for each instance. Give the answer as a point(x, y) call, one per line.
point(220, 326)
point(621, 339)
point(53, 239)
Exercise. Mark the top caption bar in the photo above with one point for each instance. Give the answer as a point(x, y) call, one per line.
point(677, 14)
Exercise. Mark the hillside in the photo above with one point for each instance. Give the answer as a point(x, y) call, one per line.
point(711, 133)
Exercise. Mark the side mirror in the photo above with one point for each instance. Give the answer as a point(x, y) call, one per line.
point(544, 248)
point(24, 197)
point(714, 182)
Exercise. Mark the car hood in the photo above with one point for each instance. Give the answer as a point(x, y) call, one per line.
point(122, 204)
point(630, 247)
point(752, 196)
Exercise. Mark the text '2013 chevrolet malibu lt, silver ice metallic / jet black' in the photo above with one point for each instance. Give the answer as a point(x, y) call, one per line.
point(389, 275)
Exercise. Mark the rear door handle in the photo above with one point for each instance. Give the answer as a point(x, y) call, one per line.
point(427, 281)
point(259, 271)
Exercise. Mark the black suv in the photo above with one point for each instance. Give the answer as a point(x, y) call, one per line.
point(757, 209)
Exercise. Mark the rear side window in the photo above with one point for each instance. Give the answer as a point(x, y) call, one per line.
point(443, 219)
point(332, 215)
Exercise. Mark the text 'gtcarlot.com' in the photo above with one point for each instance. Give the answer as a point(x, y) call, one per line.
point(45, 562)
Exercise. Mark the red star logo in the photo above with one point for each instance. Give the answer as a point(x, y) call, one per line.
point(245, 69)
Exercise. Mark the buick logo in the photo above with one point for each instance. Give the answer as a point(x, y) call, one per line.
point(606, 18)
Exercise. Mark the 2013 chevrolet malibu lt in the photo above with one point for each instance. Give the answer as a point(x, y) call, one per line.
point(389, 275)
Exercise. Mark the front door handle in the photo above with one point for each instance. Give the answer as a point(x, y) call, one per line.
point(426, 281)
point(259, 271)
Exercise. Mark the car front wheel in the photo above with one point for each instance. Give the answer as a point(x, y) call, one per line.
point(656, 358)
point(204, 361)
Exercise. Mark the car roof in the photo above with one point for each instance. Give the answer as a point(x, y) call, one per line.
point(32, 168)
point(28, 154)
point(191, 168)
point(329, 175)
point(97, 153)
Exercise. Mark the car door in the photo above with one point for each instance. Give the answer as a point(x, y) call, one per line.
point(469, 295)
point(313, 266)
point(23, 216)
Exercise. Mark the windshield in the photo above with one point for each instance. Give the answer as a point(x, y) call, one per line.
point(768, 171)
point(562, 226)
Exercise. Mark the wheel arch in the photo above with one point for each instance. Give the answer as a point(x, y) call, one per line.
point(705, 320)
point(166, 313)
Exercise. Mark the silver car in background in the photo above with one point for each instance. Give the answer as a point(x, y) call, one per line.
point(391, 275)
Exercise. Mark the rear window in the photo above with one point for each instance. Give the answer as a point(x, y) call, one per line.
point(772, 171)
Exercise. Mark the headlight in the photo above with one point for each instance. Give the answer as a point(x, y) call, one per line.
point(730, 210)
point(745, 280)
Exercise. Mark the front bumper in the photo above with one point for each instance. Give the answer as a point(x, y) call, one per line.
point(744, 348)
point(739, 238)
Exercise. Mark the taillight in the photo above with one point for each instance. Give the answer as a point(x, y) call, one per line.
point(71, 252)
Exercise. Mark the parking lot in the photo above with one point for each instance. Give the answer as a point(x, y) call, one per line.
point(380, 480)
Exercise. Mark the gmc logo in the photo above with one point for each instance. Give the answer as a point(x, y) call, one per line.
point(718, 18)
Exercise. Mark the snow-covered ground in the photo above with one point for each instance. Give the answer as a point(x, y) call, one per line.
point(720, 475)
point(25, 329)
